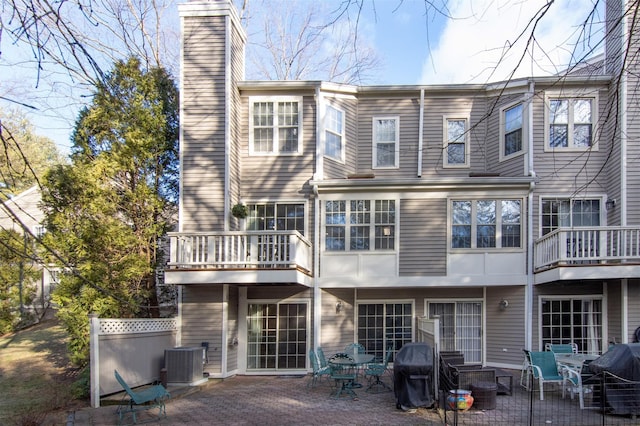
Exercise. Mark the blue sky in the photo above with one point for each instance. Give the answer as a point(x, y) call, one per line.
point(416, 45)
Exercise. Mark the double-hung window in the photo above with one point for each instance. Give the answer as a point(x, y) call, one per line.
point(275, 125)
point(511, 131)
point(360, 225)
point(570, 122)
point(334, 133)
point(456, 142)
point(486, 224)
point(386, 142)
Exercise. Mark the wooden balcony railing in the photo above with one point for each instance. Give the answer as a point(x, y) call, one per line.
point(587, 246)
point(220, 250)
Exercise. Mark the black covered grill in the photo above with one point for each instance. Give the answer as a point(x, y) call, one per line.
point(413, 376)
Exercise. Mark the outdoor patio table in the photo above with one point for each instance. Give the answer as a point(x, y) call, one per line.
point(357, 360)
point(574, 361)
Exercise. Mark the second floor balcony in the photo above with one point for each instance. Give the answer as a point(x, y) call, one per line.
point(590, 249)
point(205, 257)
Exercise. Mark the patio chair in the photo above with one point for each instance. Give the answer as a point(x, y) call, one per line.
point(318, 370)
point(525, 373)
point(543, 367)
point(354, 348)
point(374, 371)
point(344, 373)
point(564, 348)
point(138, 400)
point(322, 358)
point(572, 382)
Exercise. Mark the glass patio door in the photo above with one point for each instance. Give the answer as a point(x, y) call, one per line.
point(277, 336)
point(460, 327)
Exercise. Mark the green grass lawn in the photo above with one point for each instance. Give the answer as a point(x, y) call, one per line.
point(35, 375)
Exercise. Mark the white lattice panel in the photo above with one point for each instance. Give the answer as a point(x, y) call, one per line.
point(142, 325)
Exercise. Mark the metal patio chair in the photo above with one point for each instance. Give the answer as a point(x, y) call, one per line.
point(318, 370)
point(344, 373)
point(374, 371)
point(543, 368)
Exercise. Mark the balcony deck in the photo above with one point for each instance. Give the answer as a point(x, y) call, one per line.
point(283, 256)
point(588, 252)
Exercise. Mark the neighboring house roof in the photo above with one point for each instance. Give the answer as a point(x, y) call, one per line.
point(26, 207)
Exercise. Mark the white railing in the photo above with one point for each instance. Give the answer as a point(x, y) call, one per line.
point(255, 249)
point(588, 245)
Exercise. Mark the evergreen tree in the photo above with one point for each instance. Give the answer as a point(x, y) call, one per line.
point(106, 212)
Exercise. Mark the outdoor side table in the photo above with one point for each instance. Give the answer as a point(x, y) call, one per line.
point(504, 381)
point(484, 395)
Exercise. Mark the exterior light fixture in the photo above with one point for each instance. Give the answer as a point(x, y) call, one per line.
point(611, 203)
point(339, 306)
point(503, 304)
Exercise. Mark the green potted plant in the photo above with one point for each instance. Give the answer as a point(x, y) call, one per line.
point(240, 211)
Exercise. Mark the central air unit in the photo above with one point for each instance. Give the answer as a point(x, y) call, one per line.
point(184, 366)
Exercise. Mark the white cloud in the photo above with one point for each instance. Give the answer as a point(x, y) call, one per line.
point(481, 44)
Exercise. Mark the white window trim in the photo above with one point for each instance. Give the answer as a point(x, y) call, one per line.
point(571, 95)
point(445, 142)
point(605, 313)
point(374, 142)
point(474, 225)
point(305, 203)
point(384, 302)
point(525, 130)
point(599, 196)
point(276, 99)
point(372, 227)
point(342, 135)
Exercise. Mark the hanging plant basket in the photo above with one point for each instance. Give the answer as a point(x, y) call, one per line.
point(240, 211)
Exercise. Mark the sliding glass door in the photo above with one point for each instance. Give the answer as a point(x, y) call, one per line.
point(460, 327)
point(277, 336)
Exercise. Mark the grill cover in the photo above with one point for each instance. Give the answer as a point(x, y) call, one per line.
point(623, 360)
point(412, 376)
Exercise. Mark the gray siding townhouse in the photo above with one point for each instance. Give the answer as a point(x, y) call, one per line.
point(510, 210)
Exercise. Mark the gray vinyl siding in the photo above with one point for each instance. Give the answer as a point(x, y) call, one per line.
point(407, 109)
point(202, 321)
point(505, 329)
point(335, 169)
point(614, 47)
point(614, 311)
point(273, 177)
point(633, 134)
point(235, 121)
point(337, 327)
point(423, 237)
point(566, 173)
point(613, 167)
point(633, 309)
point(232, 328)
point(203, 115)
point(514, 166)
point(436, 108)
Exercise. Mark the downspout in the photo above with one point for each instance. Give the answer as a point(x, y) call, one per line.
point(420, 133)
point(623, 132)
point(317, 302)
point(227, 110)
point(530, 246)
point(623, 175)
